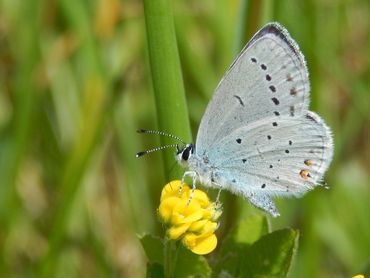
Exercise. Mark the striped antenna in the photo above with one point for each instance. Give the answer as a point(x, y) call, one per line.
point(155, 149)
point(147, 131)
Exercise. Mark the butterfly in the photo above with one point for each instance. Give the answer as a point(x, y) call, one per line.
point(257, 137)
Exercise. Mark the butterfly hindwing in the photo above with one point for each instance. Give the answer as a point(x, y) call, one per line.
point(287, 159)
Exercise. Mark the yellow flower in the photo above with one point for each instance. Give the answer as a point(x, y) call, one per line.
point(200, 244)
point(359, 276)
point(194, 221)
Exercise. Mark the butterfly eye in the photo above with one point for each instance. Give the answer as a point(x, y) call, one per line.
point(186, 153)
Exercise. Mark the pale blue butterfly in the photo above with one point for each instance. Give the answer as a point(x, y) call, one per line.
point(257, 137)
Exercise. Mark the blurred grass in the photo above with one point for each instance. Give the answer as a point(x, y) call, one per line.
point(75, 85)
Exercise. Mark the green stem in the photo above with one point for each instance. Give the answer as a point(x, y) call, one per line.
point(172, 114)
point(168, 262)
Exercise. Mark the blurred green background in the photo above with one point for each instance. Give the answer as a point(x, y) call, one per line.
point(75, 84)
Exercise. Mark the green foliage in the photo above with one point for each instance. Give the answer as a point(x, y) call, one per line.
point(185, 263)
point(251, 229)
point(251, 251)
point(153, 247)
point(191, 265)
point(271, 256)
point(154, 270)
point(248, 251)
point(238, 241)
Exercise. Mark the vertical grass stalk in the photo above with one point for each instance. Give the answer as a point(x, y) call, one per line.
point(172, 114)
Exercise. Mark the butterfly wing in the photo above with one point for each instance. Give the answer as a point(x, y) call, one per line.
point(264, 160)
point(257, 132)
point(268, 78)
point(289, 158)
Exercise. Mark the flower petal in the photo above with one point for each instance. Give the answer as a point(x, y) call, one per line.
point(200, 245)
point(201, 197)
point(198, 226)
point(176, 231)
point(184, 213)
point(165, 210)
point(209, 227)
point(172, 189)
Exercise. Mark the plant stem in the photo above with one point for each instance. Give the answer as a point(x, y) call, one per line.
point(168, 266)
point(172, 114)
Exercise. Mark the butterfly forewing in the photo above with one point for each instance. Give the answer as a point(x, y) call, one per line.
point(269, 78)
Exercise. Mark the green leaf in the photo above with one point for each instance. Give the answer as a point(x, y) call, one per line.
point(153, 247)
point(270, 256)
point(251, 229)
point(154, 270)
point(191, 265)
point(238, 241)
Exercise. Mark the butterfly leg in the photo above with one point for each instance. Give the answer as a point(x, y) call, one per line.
point(263, 202)
point(194, 176)
point(218, 196)
point(190, 174)
point(187, 173)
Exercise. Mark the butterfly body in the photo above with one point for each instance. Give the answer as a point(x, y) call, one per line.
point(257, 137)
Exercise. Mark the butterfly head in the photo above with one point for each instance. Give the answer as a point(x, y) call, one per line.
point(184, 154)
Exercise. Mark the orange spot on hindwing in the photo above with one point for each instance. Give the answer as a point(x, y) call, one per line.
point(305, 174)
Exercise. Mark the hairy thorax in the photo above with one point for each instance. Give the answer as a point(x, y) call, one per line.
point(207, 173)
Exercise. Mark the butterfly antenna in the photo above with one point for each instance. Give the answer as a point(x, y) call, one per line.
point(155, 149)
point(147, 131)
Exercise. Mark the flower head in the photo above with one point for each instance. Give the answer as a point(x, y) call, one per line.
point(193, 220)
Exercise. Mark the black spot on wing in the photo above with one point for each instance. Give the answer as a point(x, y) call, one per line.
point(272, 88)
point(239, 141)
point(275, 101)
point(239, 99)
